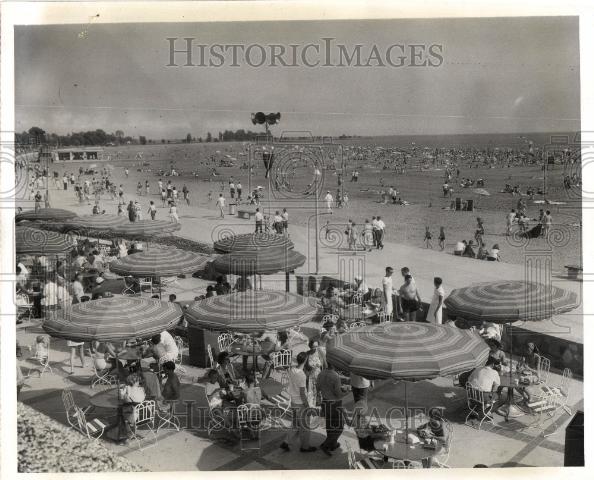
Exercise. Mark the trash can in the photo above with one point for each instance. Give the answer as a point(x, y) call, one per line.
point(232, 208)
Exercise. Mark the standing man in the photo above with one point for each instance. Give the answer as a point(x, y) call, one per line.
point(381, 229)
point(388, 289)
point(221, 204)
point(299, 404)
point(259, 220)
point(232, 189)
point(409, 299)
point(285, 217)
point(374, 230)
point(510, 221)
point(329, 200)
point(38, 199)
point(238, 187)
point(548, 221)
point(65, 181)
point(332, 391)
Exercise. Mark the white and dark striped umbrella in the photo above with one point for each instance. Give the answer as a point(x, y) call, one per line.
point(45, 214)
point(145, 228)
point(253, 311)
point(95, 222)
point(114, 319)
point(159, 262)
point(32, 241)
point(407, 351)
point(262, 261)
point(509, 301)
point(252, 241)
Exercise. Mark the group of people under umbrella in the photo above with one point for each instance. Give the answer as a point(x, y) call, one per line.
point(404, 352)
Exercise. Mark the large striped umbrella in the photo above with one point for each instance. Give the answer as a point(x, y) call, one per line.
point(407, 351)
point(159, 262)
point(145, 228)
point(32, 241)
point(114, 319)
point(45, 214)
point(252, 311)
point(260, 261)
point(96, 222)
point(509, 301)
point(251, 241)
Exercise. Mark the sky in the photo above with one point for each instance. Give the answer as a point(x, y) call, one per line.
point(498, 75)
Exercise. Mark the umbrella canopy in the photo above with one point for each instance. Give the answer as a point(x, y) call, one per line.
point(253, 311)
point(96, 222)
point(407, 351)
point(251, 241)
point(32, 241)
point(159, 262)
point(509, 301)
point(45, 214)
point(261, 261)
point(114, 319)
point(145, 227)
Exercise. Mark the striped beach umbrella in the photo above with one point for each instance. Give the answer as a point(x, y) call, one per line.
point(145, 228)
point(95, 222)
point(509, 301)
point(252, 241)
point(32, 241)
point(261, 261)
point(45, 215)
point(252, 311)
point(114, 319)
point(407, 351)
point(159, 262)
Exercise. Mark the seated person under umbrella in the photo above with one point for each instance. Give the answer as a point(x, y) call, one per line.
point(225, 369)
point(487, 380)
point(171, 385)
point(433, 430)
point(163, 348)
point(131, 393)
point(496, 356)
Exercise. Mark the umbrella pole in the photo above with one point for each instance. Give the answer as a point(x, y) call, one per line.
point(406, 411)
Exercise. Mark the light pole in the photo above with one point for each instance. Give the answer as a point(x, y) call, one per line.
point(317, 175)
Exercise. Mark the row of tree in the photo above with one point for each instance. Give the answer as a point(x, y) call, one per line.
point(38, 136)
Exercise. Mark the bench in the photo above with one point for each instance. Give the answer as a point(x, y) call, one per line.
point(573, 271)
point(247, 214)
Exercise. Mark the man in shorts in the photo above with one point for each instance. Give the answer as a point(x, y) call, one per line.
point(409, 299)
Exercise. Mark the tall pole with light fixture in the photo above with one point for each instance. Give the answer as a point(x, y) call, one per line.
point(317, 174)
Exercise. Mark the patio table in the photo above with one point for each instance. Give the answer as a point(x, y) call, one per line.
point(246, 351)
point(511, 408)
point(400, 450)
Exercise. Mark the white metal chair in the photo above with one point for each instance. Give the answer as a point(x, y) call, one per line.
point(544, 409)
point(249, 417)
point(216, 422)
point(146, 285)
point(76, 418)
point(358, 298)
point(24, 306)
point(561, 392)
point(167, 417)
point(330, 317)
point(384, 317)
point(282, 359)
point(129, 284)
point(144, 419)
point(364, 463)
point(541, 389)
point(280, 408)
point(42, 357)
point(357, 325)
point(225, 340)
point(211, 359)
point(543, 369)
point(179, 341)
point(478, 405)
point(102, 377)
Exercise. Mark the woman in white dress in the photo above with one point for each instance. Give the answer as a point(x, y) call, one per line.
point(434, 315)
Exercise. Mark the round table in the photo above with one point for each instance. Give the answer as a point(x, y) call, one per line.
point(399, 450)
point(105, 399)
point(270, 387)
point(248, 351)
point(355, 313)
point(511, 409)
